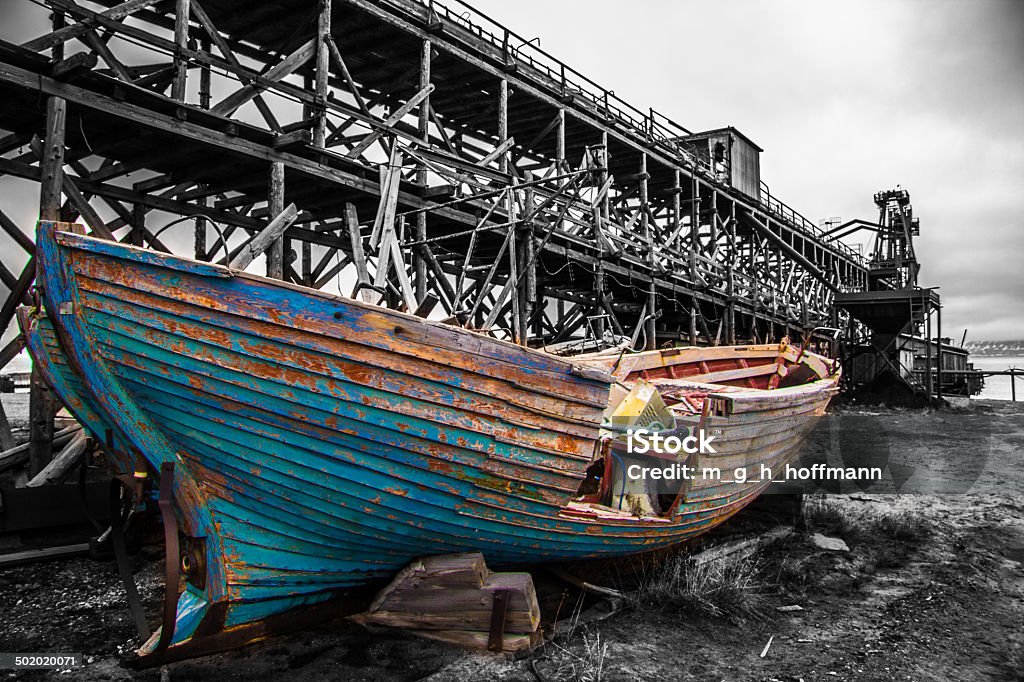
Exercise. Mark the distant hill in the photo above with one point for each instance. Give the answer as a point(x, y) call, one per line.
point(995, 348)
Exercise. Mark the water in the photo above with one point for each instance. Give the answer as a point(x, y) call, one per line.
point(998, 388)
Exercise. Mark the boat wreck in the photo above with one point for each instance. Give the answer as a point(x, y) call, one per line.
point(304, 443)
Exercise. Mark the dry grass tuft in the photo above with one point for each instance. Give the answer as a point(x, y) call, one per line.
point(729, 587)
point(583, 661)
point(903, 526)
point(829, 516)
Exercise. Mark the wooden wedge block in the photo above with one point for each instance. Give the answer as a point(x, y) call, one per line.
point(452, 597)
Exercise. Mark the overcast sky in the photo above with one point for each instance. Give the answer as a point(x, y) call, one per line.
point(846, 99)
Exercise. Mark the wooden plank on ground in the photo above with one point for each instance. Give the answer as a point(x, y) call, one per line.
point(44, 554)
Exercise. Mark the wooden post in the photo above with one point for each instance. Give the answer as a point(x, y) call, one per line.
point(1013, 386)
point(41, 400)
point(938, 347)
point(528, 292)
point(41, 412)
point(694, 227)
point(138, 224)
point(599, 218)
point(693, 325)
point(57, 53)
point(928, 345)
point(509, 201)
point(560, 141)
point(503, 123)
point(419, 263)
point(181, 14)
point(275, 204)
point(205, 100)
point(323, 57)
point(733, 259)
point(645, 230)
point(52, 161)
point(307, 263)
point(606, 202)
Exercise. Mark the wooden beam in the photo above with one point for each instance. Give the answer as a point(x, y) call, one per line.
point(499, 151)
point(30, 556)
point(17, 455)
point(51, 162)
point(363, 281)
point(275, 205)
point(204, 20)
point(181, 15)
point(322, 72)
point(11, 350)
point(285, 67)
point(343, 69)
point(61, 36)
point(15, 233)
point(92, 39)
point(423, 130)
point(10, 280)
point(390, 121)
point(62, 463)
point(391, 177)
point(204, 135)
point(271, 234)
point(18, 293)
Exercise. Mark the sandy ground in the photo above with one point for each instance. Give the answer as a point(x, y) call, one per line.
point(945, 604)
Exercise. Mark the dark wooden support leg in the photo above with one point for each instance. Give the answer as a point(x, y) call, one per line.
point(275, 204)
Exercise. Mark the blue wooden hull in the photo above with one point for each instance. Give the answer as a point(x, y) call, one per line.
point(321, 443)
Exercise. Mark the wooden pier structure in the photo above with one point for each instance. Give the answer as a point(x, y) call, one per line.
point(402, 151)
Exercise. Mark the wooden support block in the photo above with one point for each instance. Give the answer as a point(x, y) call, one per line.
point(455, 598)
point(511, 643)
